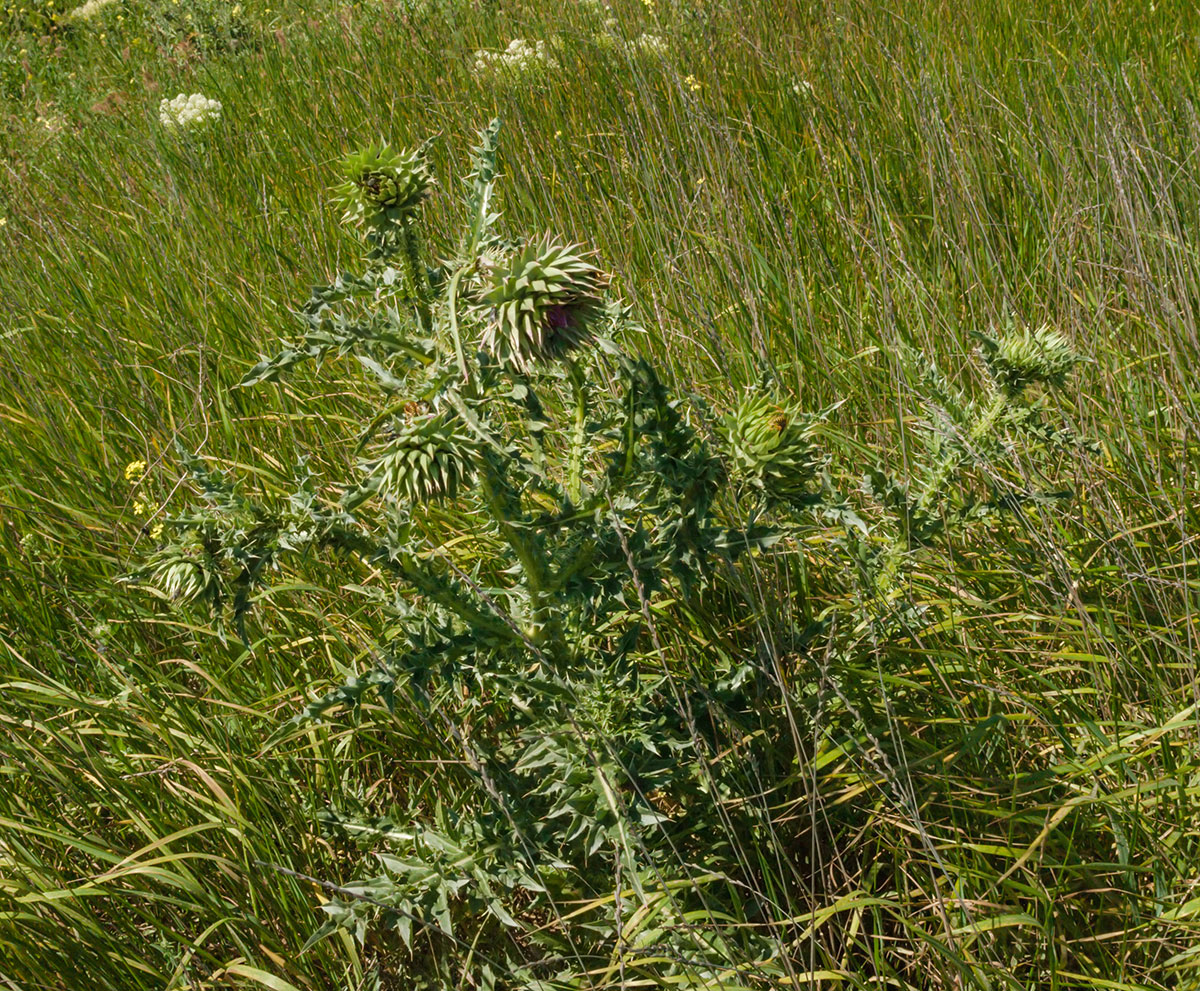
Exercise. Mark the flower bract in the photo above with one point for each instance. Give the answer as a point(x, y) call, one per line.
point(426, 458)
point(1020, 359)
point(384, 185)
point(544, 301)
point(770, 445)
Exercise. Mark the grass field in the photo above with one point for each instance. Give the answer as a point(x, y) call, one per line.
point(986, 776)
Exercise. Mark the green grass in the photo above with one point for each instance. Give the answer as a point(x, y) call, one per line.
point(1008, 798)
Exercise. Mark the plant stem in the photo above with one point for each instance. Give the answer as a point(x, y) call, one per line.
point(418, 284)
point(575, 466)
point(531, 563)
point(980, 429)
point(452, 303)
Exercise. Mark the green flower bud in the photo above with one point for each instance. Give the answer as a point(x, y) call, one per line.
point(543, 301)
point(383, 185)
point(1021, 359)
point(184, 570)
point(427, 458)
point(770, 446)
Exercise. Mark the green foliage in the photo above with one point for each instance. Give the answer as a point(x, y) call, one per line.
point(912, 735)
point(205, 27)
point(587, 500)
point(30, 17)
point(1020, 360)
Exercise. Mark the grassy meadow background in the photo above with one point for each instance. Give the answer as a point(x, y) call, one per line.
point(808, 187)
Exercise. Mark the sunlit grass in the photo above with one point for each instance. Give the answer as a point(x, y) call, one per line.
point(1007, 800)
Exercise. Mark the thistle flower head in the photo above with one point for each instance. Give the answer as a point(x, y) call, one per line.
point(384, 185)
point(1022, 358)
point(771, 447)
point(428, 456)
point(544, 301)
point(184, 570)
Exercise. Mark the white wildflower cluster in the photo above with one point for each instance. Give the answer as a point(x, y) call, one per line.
point(519, 59)
point(188, 112)
point(88, 10)
point(649, 44)
point(643, 46)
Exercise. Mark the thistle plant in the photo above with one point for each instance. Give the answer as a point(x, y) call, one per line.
point(1021, 359)
point(581, 497)
point(963, 435)
point(521, 511)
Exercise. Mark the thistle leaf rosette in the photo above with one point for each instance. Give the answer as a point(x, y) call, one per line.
point(544, 302)
point(384, 185)
point(1021, 359)
point(427, 458)
point(771, 447)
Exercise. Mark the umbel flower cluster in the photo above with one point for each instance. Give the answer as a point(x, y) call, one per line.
point(650, 44)
point(186, 113)
point(85, 12)
point(520, 58)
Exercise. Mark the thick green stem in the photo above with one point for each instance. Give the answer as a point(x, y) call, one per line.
point(578, 436)
point(452, 301)
point(414, 274)
point(532, 564)
point(979, 430)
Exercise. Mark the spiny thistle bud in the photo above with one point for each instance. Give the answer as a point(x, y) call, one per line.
point(184, 570)
point(384, 185)
point(428, 457)
point(771, 447)
point(544, 301)
point(1020, 359)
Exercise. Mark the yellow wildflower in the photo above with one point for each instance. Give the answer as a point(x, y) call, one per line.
point(135, 470)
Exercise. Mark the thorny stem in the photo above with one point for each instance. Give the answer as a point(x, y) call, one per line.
point(934, 488)
point(979, 430)
point(531, 563)
point(575, 469)
point(417, 283)
point(452, 304)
